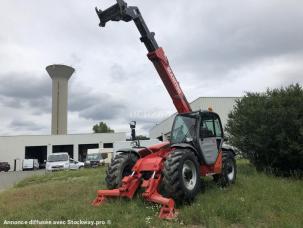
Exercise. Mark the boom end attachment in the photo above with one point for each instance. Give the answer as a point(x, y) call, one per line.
point(117, 12)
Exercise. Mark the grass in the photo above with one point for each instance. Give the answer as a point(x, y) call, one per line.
point(256, 200)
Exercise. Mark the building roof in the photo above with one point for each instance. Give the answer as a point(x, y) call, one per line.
point(167, 118)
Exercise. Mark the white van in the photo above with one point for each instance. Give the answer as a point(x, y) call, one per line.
point(57, 161)
point(61, 161)
point(30, 164)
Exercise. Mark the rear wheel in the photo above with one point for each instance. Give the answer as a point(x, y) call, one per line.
point(181, 178)
point(120, 167)
point(229, 170)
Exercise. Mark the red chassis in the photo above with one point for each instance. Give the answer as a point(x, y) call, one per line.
point(153, 162)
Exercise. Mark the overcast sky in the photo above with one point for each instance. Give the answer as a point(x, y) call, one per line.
point(216, 48)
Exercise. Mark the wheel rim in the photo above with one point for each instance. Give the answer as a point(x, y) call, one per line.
point(230, 171)
point(189, 175)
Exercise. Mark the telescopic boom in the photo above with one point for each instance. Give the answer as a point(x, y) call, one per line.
point(120, 11)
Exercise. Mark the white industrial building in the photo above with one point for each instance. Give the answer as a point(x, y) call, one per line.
point(14, 149)
point(221, 105)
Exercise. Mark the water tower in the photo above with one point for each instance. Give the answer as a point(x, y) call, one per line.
point(60, 74)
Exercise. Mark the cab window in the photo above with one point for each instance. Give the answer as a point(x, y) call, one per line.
point(210, 126)
point(218, 129)
point(207, 129)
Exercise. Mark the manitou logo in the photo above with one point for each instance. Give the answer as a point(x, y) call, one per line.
point(174, 80)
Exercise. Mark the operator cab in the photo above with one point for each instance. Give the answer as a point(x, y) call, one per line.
point(202, 131)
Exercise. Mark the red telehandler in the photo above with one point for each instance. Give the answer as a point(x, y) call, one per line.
point(169, 171)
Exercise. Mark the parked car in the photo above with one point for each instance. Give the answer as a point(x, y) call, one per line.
point(30, 164)
point(4, 166)
point(73, 164)
point(62, 161)
point(94, 158)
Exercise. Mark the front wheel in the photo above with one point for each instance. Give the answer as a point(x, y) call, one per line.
point(229, 170)
point(120, 167)
point(181, 177)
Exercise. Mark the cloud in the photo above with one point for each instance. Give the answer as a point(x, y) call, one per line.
point(79, 101)
point(117, 73)
point(20, 90)
point(103, 111)
point(23, 91)
point(23, 86)
point(21, 125)
point(229, 35)
point(97, 107)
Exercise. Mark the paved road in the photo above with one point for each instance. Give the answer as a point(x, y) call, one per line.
point(8, 179)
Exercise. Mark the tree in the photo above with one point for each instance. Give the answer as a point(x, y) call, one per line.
point(102, 128)
point(268, 129)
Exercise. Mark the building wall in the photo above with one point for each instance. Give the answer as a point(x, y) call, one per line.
point(13, 147)
point(221, 105)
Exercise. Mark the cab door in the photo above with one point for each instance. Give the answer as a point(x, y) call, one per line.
point(210, 136)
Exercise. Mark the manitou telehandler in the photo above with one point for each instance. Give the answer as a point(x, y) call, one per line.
point(169, 171)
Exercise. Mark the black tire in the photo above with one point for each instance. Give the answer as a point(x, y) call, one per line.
point(229, 170)
point(120, 167)
point(181, 177)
